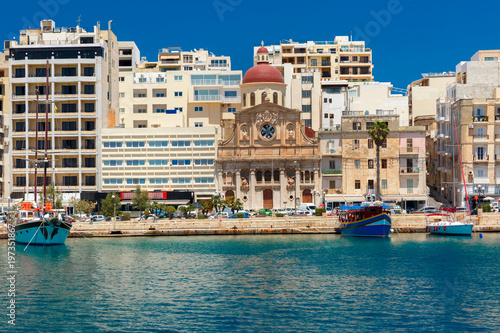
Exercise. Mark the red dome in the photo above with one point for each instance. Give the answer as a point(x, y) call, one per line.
point(263, 72)
point(262, 49)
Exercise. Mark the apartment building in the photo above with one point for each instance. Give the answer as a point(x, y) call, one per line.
point(156, 94)
point(159, 160)
point(472, 105)
point(422, 94)
point(349, 162)
point(341, 59)
point(82, 99)
point(4, 126)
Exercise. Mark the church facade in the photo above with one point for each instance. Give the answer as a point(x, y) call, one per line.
point(267, 157)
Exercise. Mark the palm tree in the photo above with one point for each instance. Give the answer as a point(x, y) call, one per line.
point(379, 133)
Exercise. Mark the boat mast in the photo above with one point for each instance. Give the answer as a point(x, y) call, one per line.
point(46, 136)
point(36, 145)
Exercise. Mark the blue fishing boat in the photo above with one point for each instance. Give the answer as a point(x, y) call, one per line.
point(365, 221)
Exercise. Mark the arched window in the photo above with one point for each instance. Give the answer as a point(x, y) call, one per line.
point(244, 100)
point(275, 98)
point(263, 97)
point(283, 100)
point(252, 99)
point(276, 175)
point(258, 176)
point(267, 176)
point(306, 176)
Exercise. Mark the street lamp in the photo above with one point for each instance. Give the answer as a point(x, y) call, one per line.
point(324, 201)
point(114, 211)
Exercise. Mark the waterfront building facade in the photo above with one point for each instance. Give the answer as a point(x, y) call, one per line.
point(267, 157)
point(159, 159)
point(4, 127)
point(349, 163)
point(473, 105)
point(82, 99)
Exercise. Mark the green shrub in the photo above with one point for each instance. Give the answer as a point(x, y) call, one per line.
point(280, 214)
point(126, 217)
point(201, 217)
point(240, 215)
point(319, 211)
point(486, 208)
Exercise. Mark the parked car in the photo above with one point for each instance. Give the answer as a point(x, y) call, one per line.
point(395, 209)
point(98, 218)
point(303, 213)
point(266, 212)
point(426, 210)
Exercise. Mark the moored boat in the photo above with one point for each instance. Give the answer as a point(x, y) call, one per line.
point(365, 221)
point(443, 224)
point(34, 229)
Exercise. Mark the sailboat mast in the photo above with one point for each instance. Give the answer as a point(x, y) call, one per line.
point(46, 137)
point(36, 145)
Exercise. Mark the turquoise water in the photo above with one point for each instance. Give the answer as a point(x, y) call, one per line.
point(286, 283)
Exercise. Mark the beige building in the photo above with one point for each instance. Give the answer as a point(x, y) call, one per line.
point(349, 163)
point(267, 158)
point(473, 103)
point(423, 93)
point(4, 127)
point(81, 101)
point(169, 93)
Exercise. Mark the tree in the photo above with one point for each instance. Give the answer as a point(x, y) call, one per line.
point(215, 202)
point(109, 204)
point(54, 196)
point(171, 211)
point(84, 206)
point(234, 204)
point(379, 133)
point(205, 207)
point(141, 200)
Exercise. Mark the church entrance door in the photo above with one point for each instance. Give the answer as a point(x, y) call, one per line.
point(268, 199)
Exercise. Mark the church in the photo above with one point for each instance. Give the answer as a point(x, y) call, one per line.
point(267, 157)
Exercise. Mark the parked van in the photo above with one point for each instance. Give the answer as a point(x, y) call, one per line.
point(307, 207)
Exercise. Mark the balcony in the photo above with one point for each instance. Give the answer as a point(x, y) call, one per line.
point(479, 119)
point(207, 97)
point(332, 171)
point(409, 170)
point(480, 138)
point(481, 158)
point(170, 62)
point(410, 150)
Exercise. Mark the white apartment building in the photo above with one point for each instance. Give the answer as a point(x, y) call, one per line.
point(82, 99)
point(4, 125)
point(159, 159)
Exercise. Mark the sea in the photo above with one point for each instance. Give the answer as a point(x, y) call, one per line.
point(258, 283)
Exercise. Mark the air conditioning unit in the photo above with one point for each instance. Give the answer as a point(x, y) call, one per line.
point(471, 126)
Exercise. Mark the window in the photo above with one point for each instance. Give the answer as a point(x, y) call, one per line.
point(113, 163)
point(135, 144)
point(306, 93)
point(204, 162)
point(252, 99)
point(275, 98)
point(113, 144)
point(331, 184)
point(314, 62)
point(160, 94)
point(178, 93)
point(158, 180)
point(263, 97)
point(332, 164)
point(20, 72)
point(68, 90)
point(355, 144)
point(370, 143)
point(20, 127)
point(158, 162)
point(384, 184)
point(122, 94)
point(478, 112)
point(69, 144)
point(41, 144)
point(231, 109)
point(158, 143)
point(20, 144)
point(306, 108)
point(370, 164)
point(20, 91)
point(89, 89)
point(69, 125)
point(122, 110)
point(369, 125)
point(178, 78)
point(136, 162)
point(370, 184)
point(70, 180)
point(308, 122)
point(66, 108)
point(384, 164)
point(357, 164)
point(113, 181)
point(480, 173)
point(204, 180)
point(68, 71)
point(178, 109)
point(356, 126)
point(203, 143)
point(90, 162)
point(357, 184)
point(198, 108)
point(308, 79)
point(89, 126)
point(181, 143)
point(121, 79)
point(160, 80)
point(384, 143)
point(21, 181)
point(159, 110)
point(409, 185)
point(135, 181)
point(89, 144)
point(199, 124)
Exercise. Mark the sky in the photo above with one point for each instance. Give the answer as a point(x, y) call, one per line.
point(407, 37)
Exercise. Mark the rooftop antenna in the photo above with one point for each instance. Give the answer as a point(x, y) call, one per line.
point(79, 21)
point(351, 35)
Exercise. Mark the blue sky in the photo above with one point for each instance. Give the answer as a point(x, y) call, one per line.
point(408, 37)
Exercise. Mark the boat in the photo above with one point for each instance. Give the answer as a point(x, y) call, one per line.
point(365, 220)
point(35, 226)
point(444, 224)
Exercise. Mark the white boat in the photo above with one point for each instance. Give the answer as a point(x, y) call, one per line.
point(444, 224)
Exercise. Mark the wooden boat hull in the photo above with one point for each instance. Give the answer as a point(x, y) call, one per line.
point(42, 233)
point(375, 226)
